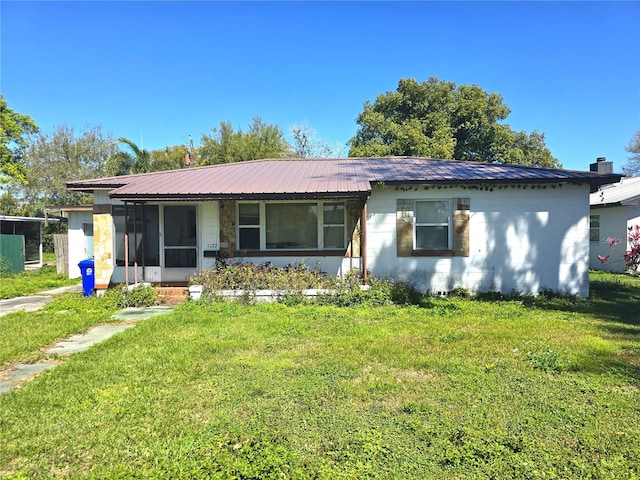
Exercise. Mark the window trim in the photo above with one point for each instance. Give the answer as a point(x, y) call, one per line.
point(264, 251)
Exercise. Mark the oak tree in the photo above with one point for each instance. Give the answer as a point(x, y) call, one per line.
point(14, 131)
point(442, 120)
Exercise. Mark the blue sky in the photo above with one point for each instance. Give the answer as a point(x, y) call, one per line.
point(157, 72)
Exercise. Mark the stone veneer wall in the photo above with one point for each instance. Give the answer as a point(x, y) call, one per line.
point(227, 228)
point(354, 209)
point(102, 250)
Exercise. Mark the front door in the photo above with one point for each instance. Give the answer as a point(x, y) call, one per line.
point(180, 241)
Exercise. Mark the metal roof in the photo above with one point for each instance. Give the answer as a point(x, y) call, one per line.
point(322, 178)
point(626, 192)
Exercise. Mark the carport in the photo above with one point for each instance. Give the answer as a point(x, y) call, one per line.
point(24, 251)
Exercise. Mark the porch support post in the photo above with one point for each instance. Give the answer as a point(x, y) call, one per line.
point(363, 241)
point(126, 243)
point(135, 243)
point(142, 240)
point(40, 246)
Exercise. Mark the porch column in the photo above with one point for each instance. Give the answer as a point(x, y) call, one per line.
point(135, 243)
point(103, 252)
point(126, 243)
point(363, 241)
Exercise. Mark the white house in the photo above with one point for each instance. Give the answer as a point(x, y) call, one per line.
point(614, 208)
point(79, 243)
point(80, 238)
point(439, 224)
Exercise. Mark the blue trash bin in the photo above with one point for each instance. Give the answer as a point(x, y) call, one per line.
point(88, 277)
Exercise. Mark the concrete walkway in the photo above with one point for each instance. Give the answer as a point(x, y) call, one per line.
point(32, 303)
point(16, 375)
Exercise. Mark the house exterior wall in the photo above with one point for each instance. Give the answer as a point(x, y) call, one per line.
point(517, 238)
point(78, 248)
point(209, 233)
point(614, 222)
point(106, 272)
point(634, 216)
point(520, 239)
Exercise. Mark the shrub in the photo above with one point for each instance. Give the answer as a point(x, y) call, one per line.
point(249, 276)
point(460, 292)
point(404, 293)
point(5, 266)
point(122, 297)
point(630, 257)
point(292, 279)
point(349, 297)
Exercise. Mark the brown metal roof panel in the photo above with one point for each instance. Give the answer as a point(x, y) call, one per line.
point(323, 176)
point(266, 177)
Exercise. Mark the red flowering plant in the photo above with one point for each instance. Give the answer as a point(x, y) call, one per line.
point(631, 257)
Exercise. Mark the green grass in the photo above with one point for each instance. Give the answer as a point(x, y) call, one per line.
point(463, 389)
point(31, 282)
point(23, 333)
point(49, 257)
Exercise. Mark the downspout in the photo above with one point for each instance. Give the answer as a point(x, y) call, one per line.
point(363, 241)
point(126, 243)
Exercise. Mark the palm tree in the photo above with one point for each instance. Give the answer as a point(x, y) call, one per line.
point(141, 159)
point(126, 163)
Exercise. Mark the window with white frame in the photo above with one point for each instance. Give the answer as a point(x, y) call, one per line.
point(291, 226)
point(432, 225)
point(249, 226)
point(333, 215)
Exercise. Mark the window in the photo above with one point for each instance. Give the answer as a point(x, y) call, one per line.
point(291, 226)
point(432, 225)
point(433, 228)
point(142, 225)
point(249, 226)
point(87, 231)
point(333, 215)
point(180, 241)
point(594, 228)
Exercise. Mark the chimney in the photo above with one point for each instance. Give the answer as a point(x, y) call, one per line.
point(601, 166)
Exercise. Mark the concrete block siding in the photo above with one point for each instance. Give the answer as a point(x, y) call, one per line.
point(520, 240)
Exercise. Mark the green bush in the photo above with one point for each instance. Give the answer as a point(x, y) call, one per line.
point(404, 293)
point(122, 297)
point(292, 279)
point(5, 266)
point(249, 276)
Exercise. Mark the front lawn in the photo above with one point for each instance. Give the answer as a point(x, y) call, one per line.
point(462, 389)
point(33, 281)
point(23, 333)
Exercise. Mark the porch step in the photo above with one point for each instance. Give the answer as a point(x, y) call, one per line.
point(172, 295)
